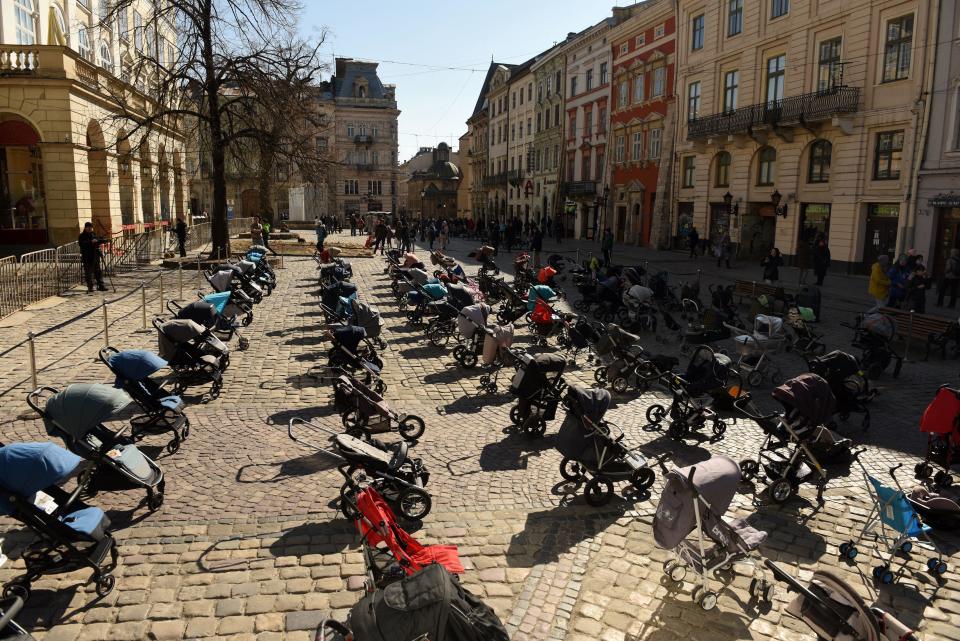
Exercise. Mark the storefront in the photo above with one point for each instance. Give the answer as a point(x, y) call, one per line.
point(948, 230)
point(814, 222)
point(719, 221)
point(23, 217)
point(684, 225)
point(758, 230)
point(880, 235)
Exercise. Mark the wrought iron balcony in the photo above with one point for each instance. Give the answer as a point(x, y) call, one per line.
point(363, 140)
point(496, 180)
point(804, 108)
point(582, 188)
point(515, 177)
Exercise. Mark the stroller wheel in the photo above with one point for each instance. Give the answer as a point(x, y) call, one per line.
point(923, 470)
point(643, 478)
point(755, 379)
point(705, 598)
point(469, 359)
point(749, 469)
point(412, 427)
point(105, 584)
point(243, 343)
point(848, 550)
point(776, 377)
point(677, 430)
point(677, 571)
point(600, 376)
point(619, 385)
point(534, 427)
point(458, 353)
point(782, 490)
point(656, 414)
point(571, 470)
point(18, 588)
point(173, 446)
point(598, 491)
point(516, 415)
point(154, 501)
point(934, 565)
point(348, 501)
point(906, 547)
point(719, 428)
point(883, 574)
point(354, 420)
point(943, 478)
point(380, 387)
point(414, 503)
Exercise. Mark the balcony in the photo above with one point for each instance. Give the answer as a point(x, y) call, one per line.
point(582, 188)
point(363, 166)
point(515, 177)
point(795, 110)
point(363, 140)
point(496, 180)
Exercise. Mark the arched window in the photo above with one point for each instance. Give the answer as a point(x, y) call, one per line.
point(83, 43)
point(106, 57)
point(721, 176)
point(61, 22)
point(766, 160)
point(820, 152)
point(25, 14)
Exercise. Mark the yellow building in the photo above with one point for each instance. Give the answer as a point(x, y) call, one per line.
point(63, 159)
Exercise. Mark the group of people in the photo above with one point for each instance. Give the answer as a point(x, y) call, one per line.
point(905, 283)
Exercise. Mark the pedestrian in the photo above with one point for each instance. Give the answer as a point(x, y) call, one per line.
point(899, 275)
point(917, 287)
point(606, 245)
point(771, 266)
point(256, 231)
point(266, 236)
point(558, 230)
point(536, 244)
point(444, 235)
point(181, 231)
point(379, 236)
point(821, 259)
point(495, 238)
point(693, 239)
point(951, 278)
point(803, 261)
point(431, 234)
point(321, 236)
point(353, 225)
point(722, 250)
point(90, 257)
point(879, 287)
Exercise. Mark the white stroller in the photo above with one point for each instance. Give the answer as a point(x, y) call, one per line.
point(769, 337)
point(496, 355)
point(641, 315)
point(695, 498)
point(471, 321)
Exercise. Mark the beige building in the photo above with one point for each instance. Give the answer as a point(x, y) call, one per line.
point(60, 160)
point(498, 157)
point(799, 118)
point(549, 72)
point(477, 156)
point(520, 145)
point(465, 187)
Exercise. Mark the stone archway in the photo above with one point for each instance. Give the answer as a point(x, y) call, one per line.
point(163, 183)
point(23, 211)
point(128, 215)
point(147, 209)
point(98, 177)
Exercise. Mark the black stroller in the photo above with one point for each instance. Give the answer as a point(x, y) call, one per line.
point(71, 535)
point(352, 351)
point(537, 385)
point(873, 335)
point(195, 355)
point(370, 320)
point(445, 312)
point(593, 447)
point(851, 389)
point(207, 312)
point(365, 412)
point(710, 379)
point(163, 411)
point(229, 278)
point(625, 363)
point(77, 415)
point(330, 300)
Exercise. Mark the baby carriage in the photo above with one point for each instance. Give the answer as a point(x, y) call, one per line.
point(71, 535)
point(365, 412)
point(894, 522)
point(851, 389)
point(545, 321)
point(248, 273)
point(641, 315)
point(580, 334)
point(768, 338)
point(77, 414)
point(609, 300)
point(484, 255)
point(941, 423)
point(795, 442)
point(695, 499)
point(709, 328)
point(540, 293)
point(217, 313)
point(370, 320)
point(523, 276)
point(620, 354)
point(330, 300)
point(836, 612)
point(663, 293)
point(352, 352)
point(421, 298)
point(709, 379)
point(512, 306)
point(163, 411)
point(537, 385)
point(195, 355)
point(229, 278)
point(873, 334)
point(496, 355)
point(471, 322)
point(446, 310)
point(399, 478)
point(593, 447)
point(805, 341)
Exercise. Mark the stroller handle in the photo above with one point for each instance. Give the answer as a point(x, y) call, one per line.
point(105, 353)
point(173, 307)
point(745, 398)
point(11, 607)
point(33, 397)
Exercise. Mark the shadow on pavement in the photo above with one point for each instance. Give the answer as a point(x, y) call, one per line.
point(513, 452)
point(277, 471)
point(548, 534)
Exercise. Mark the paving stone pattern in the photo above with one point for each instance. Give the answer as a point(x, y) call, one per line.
point(249, 545)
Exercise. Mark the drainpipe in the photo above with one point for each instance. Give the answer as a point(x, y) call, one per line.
point(922, 108)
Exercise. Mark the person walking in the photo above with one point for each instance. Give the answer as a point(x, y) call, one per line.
point(879, 288)
point(256, 232)
point(803, 261)
point(693, 239)
point(821, 259)
point(181, 231)
point(722, 250)
point(606, 245)
point(321, 236)
point(899, 274)
point(266, 237)
point(353, 226)
point(90, 257)
point(536, 244)
point(379, 236)
point(444, 235)
point(771, 266)
point(951, 278)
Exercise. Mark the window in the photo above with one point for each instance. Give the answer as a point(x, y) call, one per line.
point(776, 72)
point(375, 158)
point(374, 130)
point(349, 130)
point(61, 22)
point(587, 122)
point(828, 61)
point(656, 142)
point(83, 44)
point(573, 86)
point(513, 132)
point(26, 29)
point(659, 81)
point(622, 94)
point(351, 187)
point(696, 38)
point(573, 125)
point(779, 8)
point(529, 91)
point(556, 116)
point(513, 100)
point(722, 176)
point(556, 156)
point(641, 40)
point(731, 85)
point(106, 58)
point(618, 149)
point(363, 129)
point(819, 171)
point(529, 125)
point(137, 31)
point(321, 144)
point(734, 17)
point(693, 100)
point(638, 88)
point(636, 151)
point(123, 24)
point(600, 164)
point(766, 160)
point(540, 121)
point(589, 79)
point(658, 31)
point(896, 53)
point(546, 118)
point(689, 170)
point(602, 120)
point(585, 166)
point(539, 91)
point(886, 165)
point(624, 49)
point(603, 73)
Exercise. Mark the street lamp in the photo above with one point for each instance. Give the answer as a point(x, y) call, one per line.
point(423, 193)
point(779, 210)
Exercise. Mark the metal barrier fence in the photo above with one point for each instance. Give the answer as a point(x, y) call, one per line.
point(9, 297)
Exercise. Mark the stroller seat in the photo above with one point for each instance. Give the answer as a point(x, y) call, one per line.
point(357, 450)
point(749, 535)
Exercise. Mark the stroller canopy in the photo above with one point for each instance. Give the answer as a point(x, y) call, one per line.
point(221, 280)
point(205, 311)
point(592, 402)
point(767, 326)
point(638, 294)
point(81, 407)
point(27, 468)
point(182, 330)
point(942, 414)
point(549, 363)
point(539, 292)
point(459, 296)
point(835, 365)
point(135, 364)
point(810, 395)
point(472, 318)
point(622, 338)
point(634, 275)
point(879, 325)
point(715, 480)
point(419, 276)
point(366, 317)
point(349, 336)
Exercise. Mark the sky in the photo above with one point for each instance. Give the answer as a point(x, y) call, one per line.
point(416, 41)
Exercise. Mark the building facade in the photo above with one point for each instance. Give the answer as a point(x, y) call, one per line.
point(520, 146)
point(410, 200)
point(465, 188)
point(549, 71)
point(498, 156)
point(477, 156)
point(63, 159)
point(433, 190)
point(799, 120)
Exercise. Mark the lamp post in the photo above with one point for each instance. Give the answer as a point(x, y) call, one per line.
point(779, 210)
point(423, 193)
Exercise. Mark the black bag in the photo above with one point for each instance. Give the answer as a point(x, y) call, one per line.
point(431, 602)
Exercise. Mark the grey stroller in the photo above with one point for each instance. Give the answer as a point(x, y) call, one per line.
point(471, 322)
point(369, 319)
point(694, 499)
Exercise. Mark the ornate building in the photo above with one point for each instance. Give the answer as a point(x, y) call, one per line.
point(498, 159)
point(520, 146)
point(549, 72)
point(432, 192)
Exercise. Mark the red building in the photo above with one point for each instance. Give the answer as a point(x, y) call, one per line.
point(643, 44)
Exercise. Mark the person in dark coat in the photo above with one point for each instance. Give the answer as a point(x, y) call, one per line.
point(606, 244)
point(771, 266)
point(536, 244)
point(821, 259)
point(90, 257)
point(181, 231)
point(694, 241)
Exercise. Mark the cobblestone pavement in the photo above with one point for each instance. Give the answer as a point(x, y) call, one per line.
point(249, 546)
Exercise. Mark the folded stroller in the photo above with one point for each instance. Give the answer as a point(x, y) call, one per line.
point(399, 478)
point(471, 321)
point(893, 522)
point(851, 389)
point(537, 385)
point(71, 535)
point(709, 377)
point(695, 499)
point(77, 415)
point(835, 612)
point(593, 447)
point(941, 423)
point(195, 355)
point(496, 355)
point(364, 412)
point(352, 351)
point(163, 412)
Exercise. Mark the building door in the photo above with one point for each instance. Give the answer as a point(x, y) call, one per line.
point(684, 224)
point(881, 233)
point(814, 221)
point(621, 223)
point(758, 232)
point(948, 237)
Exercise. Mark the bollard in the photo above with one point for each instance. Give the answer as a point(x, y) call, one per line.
point(143, 306)
point(161, 292)
point(699, 277)
point(33, 360)
point(199, 277)
point(180, 279)
point(906, 348)
point(106, 324)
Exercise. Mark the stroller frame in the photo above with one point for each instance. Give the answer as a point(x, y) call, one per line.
point(225, 327)
point(197, 372)
point(362, 400)
point(686, 412)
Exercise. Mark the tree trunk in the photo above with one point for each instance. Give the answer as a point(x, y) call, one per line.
point(265, 185)
point(219, 226)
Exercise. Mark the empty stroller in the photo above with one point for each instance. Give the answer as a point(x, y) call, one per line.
point(537, 385)
point(593, 447)
point(899, 526)
point(641, 315)
point(496, 355)
point(805, 341)
point(71, 535)
point(768, 338)
point(941, 423)
point(195, 355)
point(545, 322)
point(694, 499)
point(471, 322)
point(353, 352)
point(215, 312)
point(851, 389)
point(873, 334)
point(77, 414)
point(163, 411)
point(399, 478)
point(624, 362)
point(363, 411)
point(709, 377)
point(370, 320)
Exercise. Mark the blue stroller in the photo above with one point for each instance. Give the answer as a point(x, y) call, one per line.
point(163, 411)
point(215, 312)
point(71, 535)
point(330, 300)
